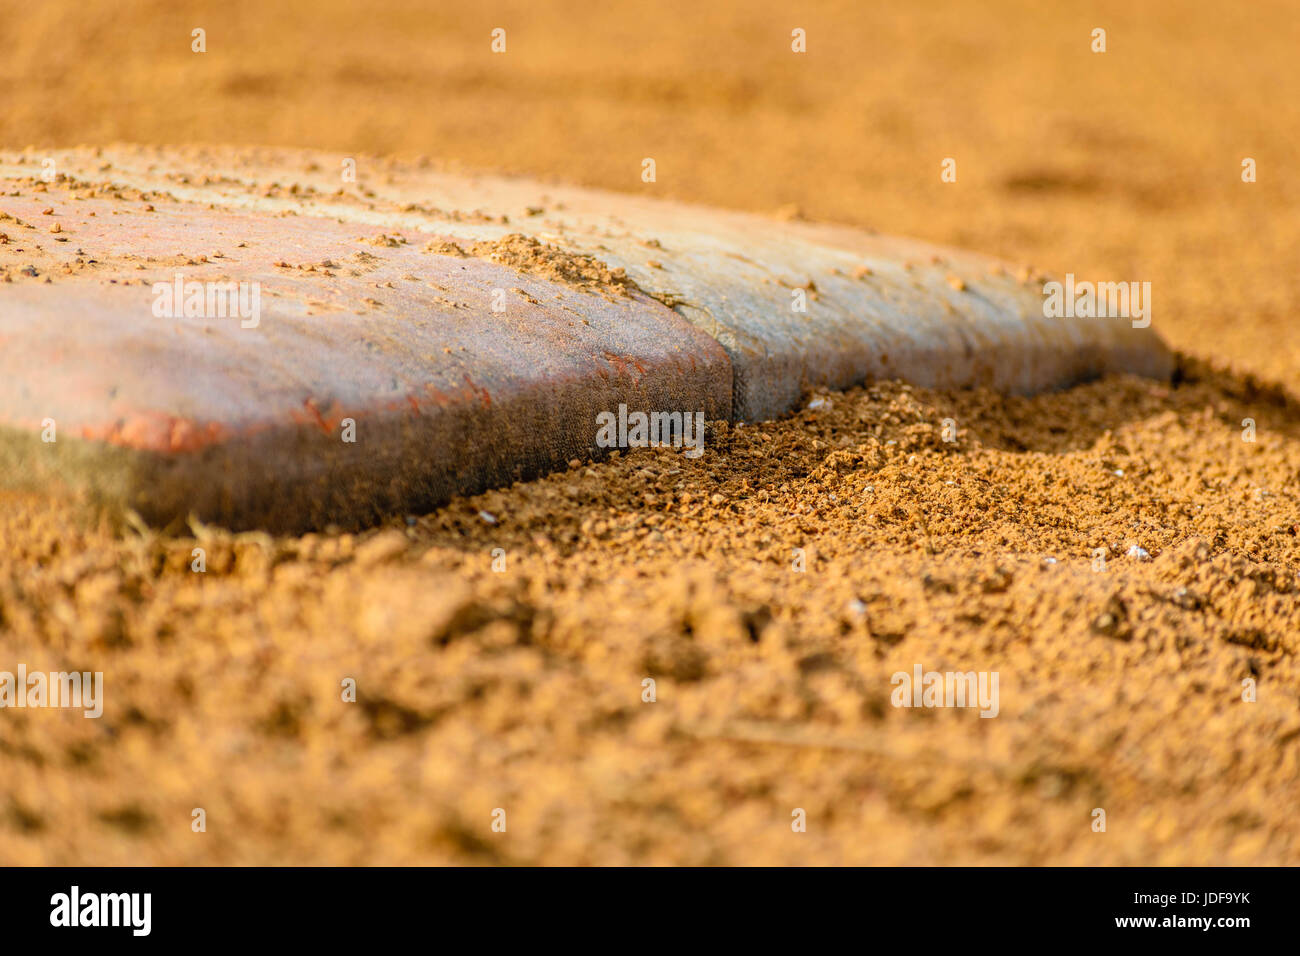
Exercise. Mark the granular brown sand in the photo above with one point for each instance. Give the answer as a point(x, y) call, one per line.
point(522, 689)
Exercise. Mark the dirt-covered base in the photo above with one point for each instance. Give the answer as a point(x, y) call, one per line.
point(522, 688)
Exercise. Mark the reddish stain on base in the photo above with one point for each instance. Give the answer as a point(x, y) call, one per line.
point(158, 432)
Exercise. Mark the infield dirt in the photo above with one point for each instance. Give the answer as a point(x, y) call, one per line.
point(521, 689)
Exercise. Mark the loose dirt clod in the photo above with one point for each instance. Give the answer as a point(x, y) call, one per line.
point(532, 256)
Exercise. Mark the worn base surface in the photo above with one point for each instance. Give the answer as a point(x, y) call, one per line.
point(420, 334)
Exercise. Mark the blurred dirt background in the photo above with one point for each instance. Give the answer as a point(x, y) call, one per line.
point(522, 690)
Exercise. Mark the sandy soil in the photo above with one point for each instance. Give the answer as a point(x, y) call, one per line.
point(521, 689)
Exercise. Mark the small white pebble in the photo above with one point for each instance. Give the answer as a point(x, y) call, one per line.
point(490, 519)
point(857, 607)
point(1119, 472)
point(819, 403)
point(1049, 560)
point(1137, 552)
